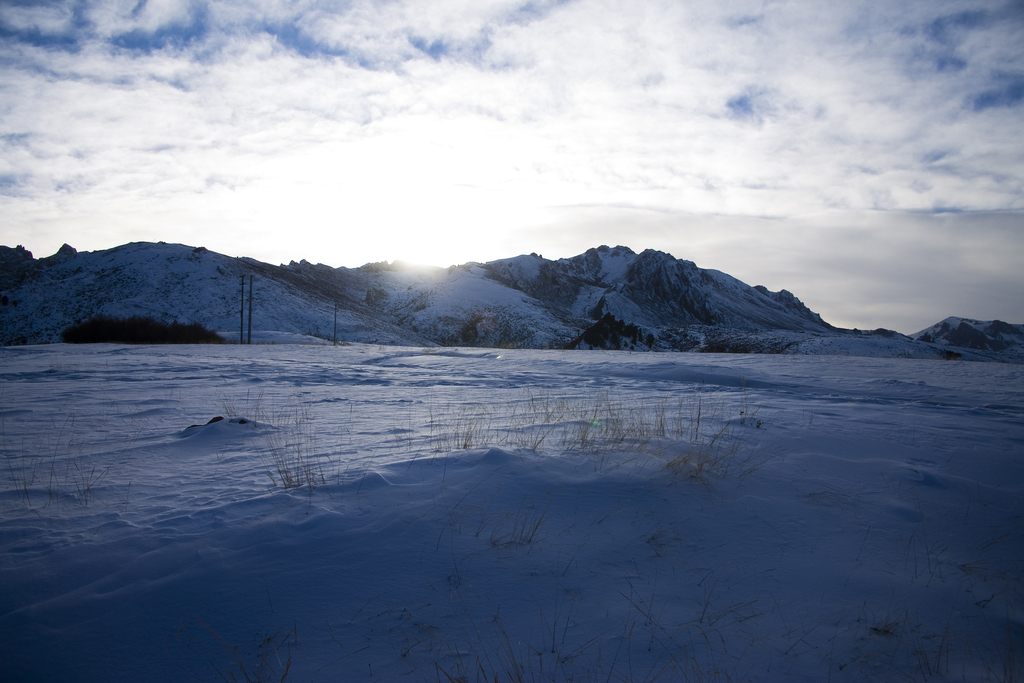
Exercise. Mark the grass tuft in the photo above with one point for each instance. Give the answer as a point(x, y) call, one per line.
point(520, 527)
point(270, 663)
point(291, 455)
point(700, 435)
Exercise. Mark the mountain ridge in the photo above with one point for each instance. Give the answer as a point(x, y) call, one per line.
point(522, 301)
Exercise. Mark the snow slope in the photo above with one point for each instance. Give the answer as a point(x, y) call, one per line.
point(386, 513)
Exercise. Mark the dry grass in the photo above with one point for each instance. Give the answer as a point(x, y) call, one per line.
point(63, 469)
point(288, 446)
point(270, 663)
point(698, 435)
point(519, 527)
point(291, 454)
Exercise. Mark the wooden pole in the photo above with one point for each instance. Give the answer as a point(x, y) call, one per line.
point(241, 314)
point(249, 340)
point(335, 323)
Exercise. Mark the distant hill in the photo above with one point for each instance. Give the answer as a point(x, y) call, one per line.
point(604, 298)
point(978, 335)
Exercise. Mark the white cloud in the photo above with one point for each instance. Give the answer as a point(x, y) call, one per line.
point(459, 130)
point(46, 19)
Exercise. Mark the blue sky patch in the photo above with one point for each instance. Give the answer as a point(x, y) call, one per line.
point(746, 20)
point(295, 39)
point(533, 11)
point(934, 156)
point(945, 30)
point(434, 49)
point(34, 36)
point(1008, 94)
point(174, 36)
point(751, 105)
point(741, 105)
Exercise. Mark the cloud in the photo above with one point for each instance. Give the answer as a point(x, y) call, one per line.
point(458, 130)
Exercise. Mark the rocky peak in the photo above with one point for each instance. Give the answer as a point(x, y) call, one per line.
point(65, 253)
point(14, 264)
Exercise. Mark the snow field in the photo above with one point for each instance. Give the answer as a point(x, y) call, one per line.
point(374, 513)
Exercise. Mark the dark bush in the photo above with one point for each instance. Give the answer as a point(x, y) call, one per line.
point(611, 333)
point(137, 330)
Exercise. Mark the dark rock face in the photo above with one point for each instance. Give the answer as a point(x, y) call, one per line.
point(220, 418)
point(972, 334)
point(656, 286)
point(589, 265)
point(791, 303)
point(15, 263)
point(968, 337)
point(997, 328)
point(674, 289)
point(65, 253)
point(612, 333)
point(551, 284)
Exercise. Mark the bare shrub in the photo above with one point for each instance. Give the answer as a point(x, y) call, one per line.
point(137, 330)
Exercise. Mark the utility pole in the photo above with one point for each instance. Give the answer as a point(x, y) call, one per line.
point(335, 323)
point(241, 313)
point(249, 340)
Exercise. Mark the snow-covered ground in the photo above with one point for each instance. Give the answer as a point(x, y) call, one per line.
point(380, 513)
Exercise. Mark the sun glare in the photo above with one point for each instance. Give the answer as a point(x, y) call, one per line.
point(435, 193)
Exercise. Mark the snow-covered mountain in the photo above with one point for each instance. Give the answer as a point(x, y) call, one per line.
point(525, 301)
point(40, 298)
point(978, 335)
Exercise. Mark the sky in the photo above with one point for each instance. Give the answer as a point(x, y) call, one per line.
point(868, 156)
